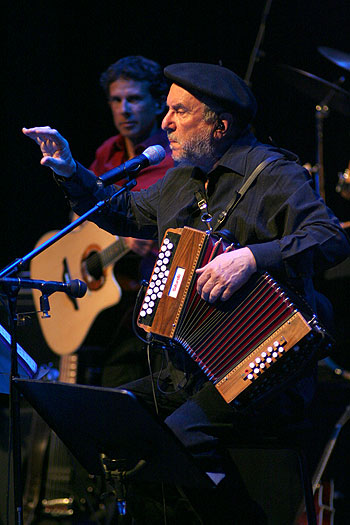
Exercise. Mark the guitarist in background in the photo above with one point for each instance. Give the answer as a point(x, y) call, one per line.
point(136, 93)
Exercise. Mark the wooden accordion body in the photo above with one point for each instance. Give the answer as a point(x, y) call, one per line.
point(248, 346)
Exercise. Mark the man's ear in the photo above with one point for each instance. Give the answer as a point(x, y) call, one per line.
point(223, 125)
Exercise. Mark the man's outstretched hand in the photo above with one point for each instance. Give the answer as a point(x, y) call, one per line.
point(55, 150)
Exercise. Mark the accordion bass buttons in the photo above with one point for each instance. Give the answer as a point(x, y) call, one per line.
point(266, 358)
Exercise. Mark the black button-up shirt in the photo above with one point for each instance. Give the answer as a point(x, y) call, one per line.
point(287, 226)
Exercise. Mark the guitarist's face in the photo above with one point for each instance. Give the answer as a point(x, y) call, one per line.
point(134, 109)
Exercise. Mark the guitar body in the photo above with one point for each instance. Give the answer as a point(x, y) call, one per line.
point(323, 501)
point(70, 319)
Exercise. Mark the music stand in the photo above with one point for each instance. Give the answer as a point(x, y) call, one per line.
point(92, 421)
point(27, 367)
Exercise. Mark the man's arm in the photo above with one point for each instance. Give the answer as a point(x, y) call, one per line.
point(84, 192)
point(303, 237)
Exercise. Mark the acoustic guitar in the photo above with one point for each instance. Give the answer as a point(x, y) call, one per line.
point(87, 253)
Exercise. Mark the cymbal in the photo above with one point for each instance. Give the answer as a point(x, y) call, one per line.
point(337, 57)
point(320, 90)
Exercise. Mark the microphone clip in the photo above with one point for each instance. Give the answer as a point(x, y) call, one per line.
point(45, 306)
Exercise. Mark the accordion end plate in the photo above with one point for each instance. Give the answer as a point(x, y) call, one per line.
point(252, 369)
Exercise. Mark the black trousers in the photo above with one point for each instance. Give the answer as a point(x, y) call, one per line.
point(201, 419)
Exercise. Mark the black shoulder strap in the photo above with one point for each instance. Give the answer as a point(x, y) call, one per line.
point(243, 190)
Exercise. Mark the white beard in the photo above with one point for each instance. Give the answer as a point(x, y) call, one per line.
point(198, 151)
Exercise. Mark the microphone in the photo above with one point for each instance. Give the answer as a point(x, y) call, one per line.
point(75, 288)
point(151, 156)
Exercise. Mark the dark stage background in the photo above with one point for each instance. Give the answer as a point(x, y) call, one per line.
point(54, 55)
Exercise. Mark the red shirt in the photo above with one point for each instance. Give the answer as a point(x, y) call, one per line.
point(112, 153)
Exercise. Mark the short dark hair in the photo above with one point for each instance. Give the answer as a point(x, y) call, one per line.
point(140, 69)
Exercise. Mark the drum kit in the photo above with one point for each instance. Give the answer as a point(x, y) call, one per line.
point(328, 96)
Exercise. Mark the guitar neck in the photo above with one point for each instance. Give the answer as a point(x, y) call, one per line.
point(68, 368)
point(113, 253)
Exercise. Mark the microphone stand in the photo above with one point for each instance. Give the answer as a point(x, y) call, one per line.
point(255, 51)
point(12, 291)
point(322, 111)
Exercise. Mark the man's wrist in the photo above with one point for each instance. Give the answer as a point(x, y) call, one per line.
point(70, 173)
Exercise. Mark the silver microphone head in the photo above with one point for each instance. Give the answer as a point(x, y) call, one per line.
point(155, 154)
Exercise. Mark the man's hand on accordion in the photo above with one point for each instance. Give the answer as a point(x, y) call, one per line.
point(225, 274)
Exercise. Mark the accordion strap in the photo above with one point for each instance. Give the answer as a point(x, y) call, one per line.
point(243, 190)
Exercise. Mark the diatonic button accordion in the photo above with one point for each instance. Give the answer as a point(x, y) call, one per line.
point(248, 346)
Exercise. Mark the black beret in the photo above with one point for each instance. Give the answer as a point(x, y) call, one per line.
point(218, 84)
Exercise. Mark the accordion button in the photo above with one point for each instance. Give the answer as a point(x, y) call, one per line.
point(268, 360)
point(142, 313)
point(149, 311)
point(269, 349)
point(263, 355)
point(170, 246)
point(256, 370)
point(250, 376)
point(275, 354)
point(252, 365)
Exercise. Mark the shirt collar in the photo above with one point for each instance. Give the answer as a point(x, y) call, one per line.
point(235, 158)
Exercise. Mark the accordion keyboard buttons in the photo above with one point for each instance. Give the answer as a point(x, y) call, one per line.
point(158, 279)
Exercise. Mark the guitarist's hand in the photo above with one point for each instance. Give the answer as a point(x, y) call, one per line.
point(141, 247)
point(55, 150)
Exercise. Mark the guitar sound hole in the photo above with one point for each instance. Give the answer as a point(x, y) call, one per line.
point(93, 265)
